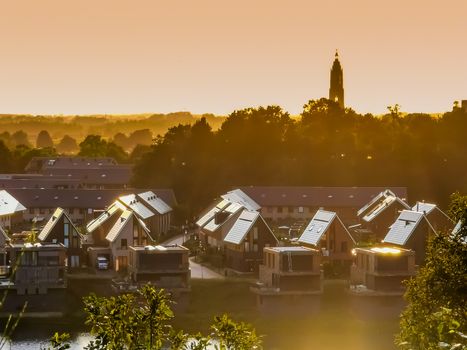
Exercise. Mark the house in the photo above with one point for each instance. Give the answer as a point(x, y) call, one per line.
point(81, 204)
point(164, 266)
point(410, 231)
point(289, 277)
point(11, 210)
point(285, 203)
point(326, 232)
point(97, 173)
point(61, 229)
point(111, 234)
point(4, 239)
point(38, 267)
point(381, 269)
point(150, 208)
point(378, 214)
point(438, 219)
point(233, 227)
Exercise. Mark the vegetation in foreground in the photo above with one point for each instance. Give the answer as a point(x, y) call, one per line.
point(142, 321)
point(436, 316)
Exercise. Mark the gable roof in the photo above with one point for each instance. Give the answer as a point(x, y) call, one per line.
point(209, 215)
point(9, 205)
point(378, 204)
point(155, 202)
point(118, 226)
point(312, 196)
point(240, 197)
point(114, 208)
point(242, 226)
point(317, 227)
point(58, 213)
point(136, 205)
point(404, 226)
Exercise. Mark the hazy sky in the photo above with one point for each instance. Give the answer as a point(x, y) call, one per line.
point(122, 56)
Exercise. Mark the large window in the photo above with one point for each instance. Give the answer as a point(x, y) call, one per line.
point(66, 234)
point(123, 243)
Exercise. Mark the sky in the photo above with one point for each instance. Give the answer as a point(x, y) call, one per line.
point(215, 56)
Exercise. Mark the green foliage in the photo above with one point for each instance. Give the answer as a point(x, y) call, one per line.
point(59, 342)
point(96, 146)
point(141, 321)
point(231, 335)
point(437, 296)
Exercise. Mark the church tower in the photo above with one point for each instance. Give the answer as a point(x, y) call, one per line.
point(336, 89)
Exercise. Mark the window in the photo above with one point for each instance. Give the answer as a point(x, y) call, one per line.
point(255, 233)
point(247, 246)
point(255, 247)
point(279, 209)
point(123, 243)
point(300, 210)
point(290, 209)
point(66, 234)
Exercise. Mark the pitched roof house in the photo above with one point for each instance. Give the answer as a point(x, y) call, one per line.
point(327, 232)
point(410, 230)
point(233, 224)
point(61, 229)
point(378, 214)
point(10, 209)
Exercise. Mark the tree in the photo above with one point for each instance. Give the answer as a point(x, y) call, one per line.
point(93, 146)
point(67, 145)
point(20, 138)
point(435, 317)
point(141, 321)
point(44, 140)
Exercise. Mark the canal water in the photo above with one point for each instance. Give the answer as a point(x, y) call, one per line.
point(340, 322)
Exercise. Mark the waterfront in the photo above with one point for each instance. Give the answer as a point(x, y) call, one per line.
point(339, 324)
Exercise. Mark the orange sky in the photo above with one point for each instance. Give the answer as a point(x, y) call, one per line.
point(122, 56)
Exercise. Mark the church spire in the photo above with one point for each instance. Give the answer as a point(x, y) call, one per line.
point(336, 89)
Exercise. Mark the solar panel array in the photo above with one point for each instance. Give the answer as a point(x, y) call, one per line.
point(317, 227)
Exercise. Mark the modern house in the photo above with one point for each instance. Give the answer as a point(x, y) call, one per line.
point(281, 203)
point(410, 231)
point(327, 233)
point(164, 266)
point(438, 219)
point(287, 276)
point(381, 270)
point(11, 210)
point(61, 229)
point(37, 267)
point(378, 214)
point(111, 234)
point(151, 209)
point(233, 227)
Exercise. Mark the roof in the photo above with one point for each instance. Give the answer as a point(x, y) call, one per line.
point(317, 227)
point(240, 197)
point(230, 210)
point(154, 202)
point(37, 164)
point(291, 249)
point(209, 215)
point(9, 205)
point(58, 213)
point(378, 204)
point(118, 226)
point(308, 196)
point(424, 207)
point(134, 203)
point(242, 226)
point(114, 208)
point(457, 230)
point(80, 198)
point(403, 228)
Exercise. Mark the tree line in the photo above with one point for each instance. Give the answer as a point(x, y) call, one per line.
point(326, 146)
